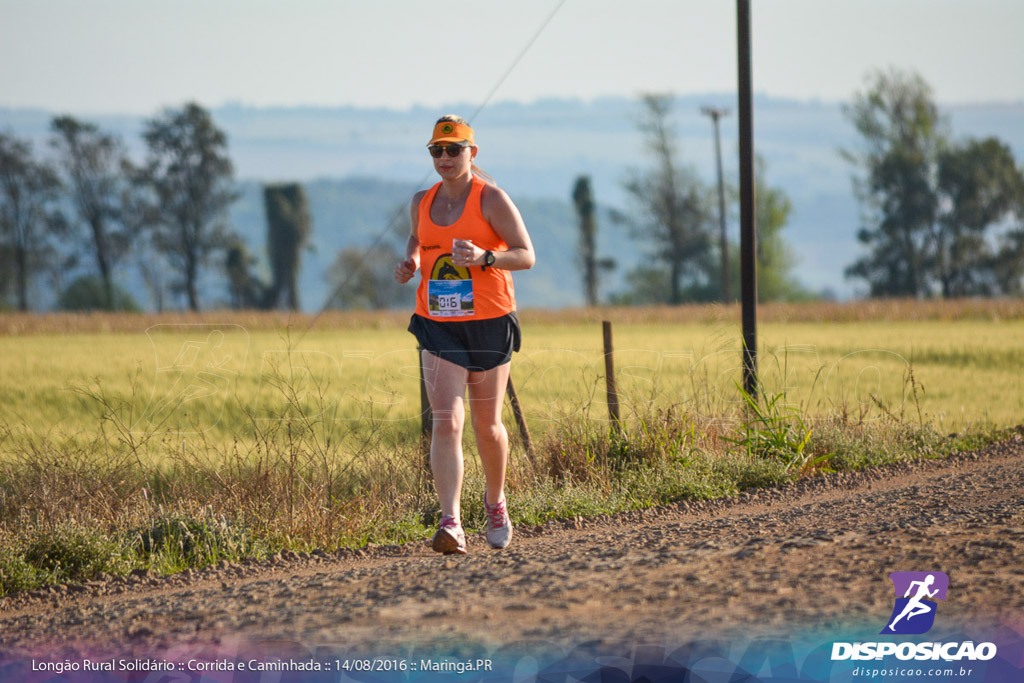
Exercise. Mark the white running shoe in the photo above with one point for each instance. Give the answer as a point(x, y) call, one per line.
point(499, 526)
point(450, 538)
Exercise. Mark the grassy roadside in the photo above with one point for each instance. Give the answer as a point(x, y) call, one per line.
point(73, 510)
point(294, 463)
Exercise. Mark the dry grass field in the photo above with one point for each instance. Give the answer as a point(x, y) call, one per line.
point(223, 374)
point(178, 441)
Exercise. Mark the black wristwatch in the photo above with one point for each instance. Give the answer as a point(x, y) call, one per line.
point(488, 259)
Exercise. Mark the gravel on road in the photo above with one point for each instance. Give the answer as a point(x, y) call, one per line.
point(811, 556)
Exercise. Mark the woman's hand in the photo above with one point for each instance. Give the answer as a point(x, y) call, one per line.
point(405, 270)
point(465, 253)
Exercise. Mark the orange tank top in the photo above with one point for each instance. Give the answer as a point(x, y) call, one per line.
point(448, 292)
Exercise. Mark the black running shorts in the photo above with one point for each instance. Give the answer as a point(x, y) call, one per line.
point(476, 345)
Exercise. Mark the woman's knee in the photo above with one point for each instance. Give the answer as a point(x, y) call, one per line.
point(447, 423)
point(490, 432)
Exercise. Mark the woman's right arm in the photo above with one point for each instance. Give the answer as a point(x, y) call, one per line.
point(407, 268)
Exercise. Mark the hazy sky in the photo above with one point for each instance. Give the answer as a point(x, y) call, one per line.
point(98, 56)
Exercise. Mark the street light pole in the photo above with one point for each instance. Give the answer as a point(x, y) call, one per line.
point(716, 113)
point(748, 227)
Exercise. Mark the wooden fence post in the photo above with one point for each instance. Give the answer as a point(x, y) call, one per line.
point(426, 415)
point(609, 376)
point(524, 431)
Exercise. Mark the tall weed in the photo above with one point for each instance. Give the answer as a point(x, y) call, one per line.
point(300, 478)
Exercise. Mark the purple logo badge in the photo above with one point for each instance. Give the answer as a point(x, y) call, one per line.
point(916, 592)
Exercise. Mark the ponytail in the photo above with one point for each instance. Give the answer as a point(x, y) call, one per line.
point(477, 171)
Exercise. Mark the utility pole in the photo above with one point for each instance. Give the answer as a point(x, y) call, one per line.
point(716, 113)
point(748, 227)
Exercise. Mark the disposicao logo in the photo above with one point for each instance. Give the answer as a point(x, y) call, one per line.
point(916, 592)
point(914, 614)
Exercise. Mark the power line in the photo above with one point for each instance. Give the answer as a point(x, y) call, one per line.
point(390, 225)
point(518, 58)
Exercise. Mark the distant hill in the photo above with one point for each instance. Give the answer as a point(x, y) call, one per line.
point(356, 212)
point(361, 165)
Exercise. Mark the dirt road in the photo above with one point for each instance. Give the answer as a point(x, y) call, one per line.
point(813, 556)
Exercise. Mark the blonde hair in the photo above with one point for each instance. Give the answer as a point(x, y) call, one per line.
point(454, 118)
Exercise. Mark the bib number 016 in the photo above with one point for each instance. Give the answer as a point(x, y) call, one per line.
point(449, 302)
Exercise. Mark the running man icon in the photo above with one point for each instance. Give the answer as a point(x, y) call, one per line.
point(195, 370)
point(915, 607)
point(915, 610)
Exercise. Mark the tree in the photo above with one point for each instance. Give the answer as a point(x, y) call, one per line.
point(978, 184)
point(933, 207)
point(91, 293)
point(364, 280)
point(288, 228)
point(902, 134)
point(6, 271)
point(29, 214)
point(91, 162)
point(1008, 264)
point(671, 209)
point(245, 289)
point(140, 216)
point(775, 259)
point(583, 198)
point(192, 181)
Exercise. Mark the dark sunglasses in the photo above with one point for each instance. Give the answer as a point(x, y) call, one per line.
point(453, 150)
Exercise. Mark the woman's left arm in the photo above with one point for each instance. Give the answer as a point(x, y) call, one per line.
point(504, 217)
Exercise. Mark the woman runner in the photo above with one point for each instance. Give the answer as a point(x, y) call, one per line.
point(466, 237)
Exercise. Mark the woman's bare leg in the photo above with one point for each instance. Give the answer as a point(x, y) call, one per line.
point(486, 398)
point(446, 387)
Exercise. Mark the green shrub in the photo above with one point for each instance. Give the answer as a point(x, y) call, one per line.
point(18, 575)
point(73, 552)
point(88, 294)
point(174, 541)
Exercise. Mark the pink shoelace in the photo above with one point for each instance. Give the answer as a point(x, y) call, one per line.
point(448, 522)
point(495, 514)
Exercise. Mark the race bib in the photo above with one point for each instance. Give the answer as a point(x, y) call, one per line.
point(449, 290)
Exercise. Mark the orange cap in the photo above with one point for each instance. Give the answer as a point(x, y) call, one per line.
point(450, 131)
